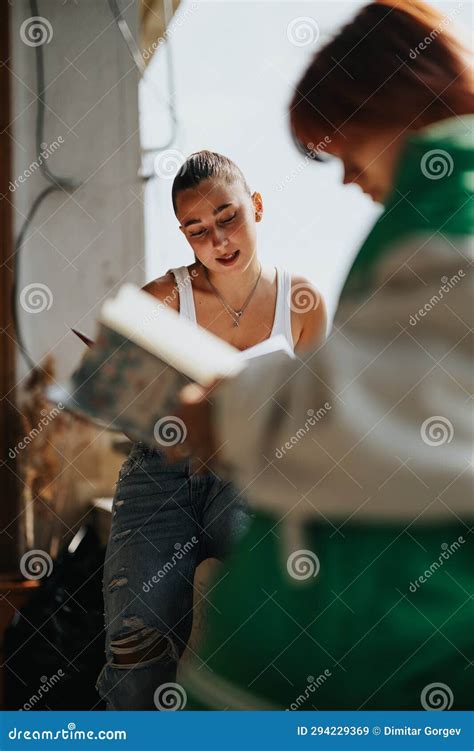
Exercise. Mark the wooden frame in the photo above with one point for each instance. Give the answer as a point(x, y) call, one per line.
point(9, 486)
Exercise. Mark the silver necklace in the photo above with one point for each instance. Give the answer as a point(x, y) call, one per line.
point(236, 315)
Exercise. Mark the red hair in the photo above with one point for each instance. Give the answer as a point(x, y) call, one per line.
point(393, 65)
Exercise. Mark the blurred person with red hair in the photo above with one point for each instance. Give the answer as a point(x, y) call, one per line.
point(352, 588)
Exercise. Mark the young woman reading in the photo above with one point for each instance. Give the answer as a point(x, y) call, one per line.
point(166, 519)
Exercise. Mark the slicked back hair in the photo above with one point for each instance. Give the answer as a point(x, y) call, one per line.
point(206, 165)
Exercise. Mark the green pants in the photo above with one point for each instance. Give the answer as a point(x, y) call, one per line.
point(378, 620)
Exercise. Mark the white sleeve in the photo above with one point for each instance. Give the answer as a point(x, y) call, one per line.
point(374, 422)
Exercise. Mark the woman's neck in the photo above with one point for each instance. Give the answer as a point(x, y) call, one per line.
point(235, 286)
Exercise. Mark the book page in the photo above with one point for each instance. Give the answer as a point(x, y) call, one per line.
point(152, 325)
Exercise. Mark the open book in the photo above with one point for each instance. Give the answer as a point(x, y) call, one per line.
point(143, 355)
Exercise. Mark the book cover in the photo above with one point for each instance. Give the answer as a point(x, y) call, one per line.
point(130, 377)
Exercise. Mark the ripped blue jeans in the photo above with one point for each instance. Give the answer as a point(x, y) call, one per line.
point(165, 521)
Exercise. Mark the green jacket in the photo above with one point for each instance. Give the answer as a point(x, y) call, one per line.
point(433, 193)
point(356, 461)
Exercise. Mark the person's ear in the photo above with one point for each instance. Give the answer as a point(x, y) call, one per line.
point(258, 206)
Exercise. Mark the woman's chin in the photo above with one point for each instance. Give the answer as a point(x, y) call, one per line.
point(239, 264)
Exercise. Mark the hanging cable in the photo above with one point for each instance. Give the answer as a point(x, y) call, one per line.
point(61, 182)
point(137, 57)
point(65, 183)
point(16, 254)
point(56, 183)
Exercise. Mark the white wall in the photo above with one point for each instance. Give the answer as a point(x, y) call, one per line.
point(234, 69)
point(80, 245)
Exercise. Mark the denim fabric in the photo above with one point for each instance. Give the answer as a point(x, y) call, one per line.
point(165, 521)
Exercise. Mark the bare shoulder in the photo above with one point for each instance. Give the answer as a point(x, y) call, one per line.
point(308, 313)
point(164, 289)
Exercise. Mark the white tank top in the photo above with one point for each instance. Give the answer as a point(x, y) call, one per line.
point(281, 322)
